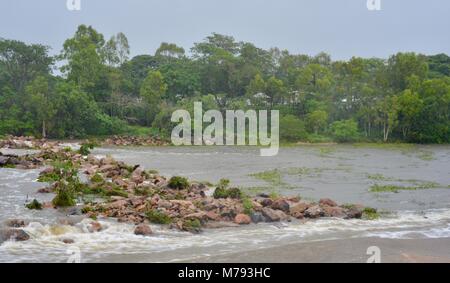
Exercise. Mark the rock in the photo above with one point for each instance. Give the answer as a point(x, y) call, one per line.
point(16, 223)
point(18, 235)
point(266, 202)
point(298, 207)
point(242, 219)
point(106, 168)
point(257, 217)
point(272, 215)
point(143, 230)
point(68, 241)
point(95, 227)
point(120, 204)
point(314, 212)
point(336, 211)
point(281, 204)
point(77, 210)
point(327, 202)
point(4, 160)
point(211, 215)
point(198, 215)
point(354, 212)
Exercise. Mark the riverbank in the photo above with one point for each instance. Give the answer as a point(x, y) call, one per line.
point(345, 251)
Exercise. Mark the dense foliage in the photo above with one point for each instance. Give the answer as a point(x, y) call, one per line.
point(100, 91)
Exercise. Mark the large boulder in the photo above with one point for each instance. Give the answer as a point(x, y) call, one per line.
point(327, 202)
point(299, 207)
point(281, 204)
point(143, 230)
point(335, 211)
point(242, 219)
point(314, 212)
point(272, 215)
point(354, 211)
point(257, 217)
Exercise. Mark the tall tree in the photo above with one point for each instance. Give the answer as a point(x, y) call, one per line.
point(152, 90)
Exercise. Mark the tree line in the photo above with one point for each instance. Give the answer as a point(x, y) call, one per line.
point(99, 90)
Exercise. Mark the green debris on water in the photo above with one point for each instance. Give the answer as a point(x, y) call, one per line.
point(377, 188)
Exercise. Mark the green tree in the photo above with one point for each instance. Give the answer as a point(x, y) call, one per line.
point(345, 131)
point(410, 105)
point(387, 115)
point(85, 56)
point(41, 102)
point(292, 128)
point(317, 120)
point(152, 91)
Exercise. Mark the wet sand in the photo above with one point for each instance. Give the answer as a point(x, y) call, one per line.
point(345, 251)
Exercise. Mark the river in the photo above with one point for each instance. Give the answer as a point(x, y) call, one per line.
point(344, 173)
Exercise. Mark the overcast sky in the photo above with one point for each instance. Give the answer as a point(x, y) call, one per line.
point(343, 28)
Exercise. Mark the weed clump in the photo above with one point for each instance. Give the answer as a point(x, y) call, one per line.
point(370, 214)
point(222, 190)
point(34, 205)
point(158, 217)
point(178, 183)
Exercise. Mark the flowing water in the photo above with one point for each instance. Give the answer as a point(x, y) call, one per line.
point(343, 173)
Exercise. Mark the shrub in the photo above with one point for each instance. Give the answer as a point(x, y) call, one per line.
point(64, 197)
point(97, 178)
point(292, 128)
point(192, 225)
point(158, 217)
point(86, 147)
point(248, 205)
point(345, 131)
point(35, 204)
point(370, 214)
point(179, 183)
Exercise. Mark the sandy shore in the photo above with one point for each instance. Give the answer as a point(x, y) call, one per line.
point(348, 250)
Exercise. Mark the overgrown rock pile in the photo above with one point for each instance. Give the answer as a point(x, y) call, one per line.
point(135, 141)
point(133, 195)
point(26, 143)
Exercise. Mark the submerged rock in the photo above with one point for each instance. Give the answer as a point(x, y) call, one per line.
point(16, 223)
point(13, 235)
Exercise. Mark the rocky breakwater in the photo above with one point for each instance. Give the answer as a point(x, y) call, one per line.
point(12, 142)
point(141, 197)
point(135, 141)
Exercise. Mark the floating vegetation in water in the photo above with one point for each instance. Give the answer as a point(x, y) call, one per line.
point(395, 188)
point(394, 146)
point(326, 151)
point(426, 155)
point(273, 177)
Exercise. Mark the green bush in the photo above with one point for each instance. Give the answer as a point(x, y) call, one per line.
point(192, 225)
point(158, 217)
point(345, 131)
point(35, 204)
point(292, 128)
point(179, 183)
point(64, 197)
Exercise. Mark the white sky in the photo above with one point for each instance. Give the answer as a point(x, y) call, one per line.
point(343, 28)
